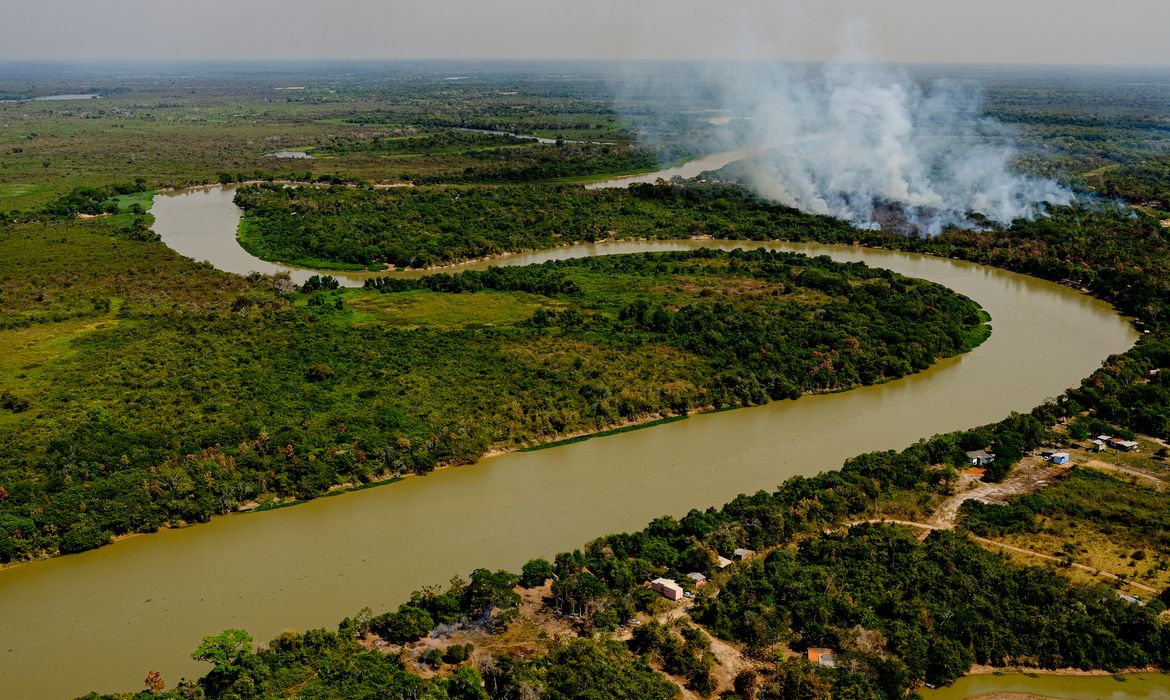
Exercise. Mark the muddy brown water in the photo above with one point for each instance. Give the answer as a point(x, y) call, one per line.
point(1134, 686)
point(102, 619)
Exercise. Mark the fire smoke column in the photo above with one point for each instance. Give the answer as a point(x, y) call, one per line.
point(853, 136)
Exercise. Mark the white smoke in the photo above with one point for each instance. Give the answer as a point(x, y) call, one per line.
point(853, 135)
point(853, 138)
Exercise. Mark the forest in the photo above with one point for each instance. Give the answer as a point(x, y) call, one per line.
point(423, 226)
point(872, 591)
point(170, 412)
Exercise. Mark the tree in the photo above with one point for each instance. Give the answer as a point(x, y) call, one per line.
point(319, 372)
point(155, 683)
point(406, 625)
point(535, 573)
point(486, 591)
point(224, 650)
point(584, 668)
point(466, 684)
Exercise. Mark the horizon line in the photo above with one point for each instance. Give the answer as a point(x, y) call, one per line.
point(74, 61)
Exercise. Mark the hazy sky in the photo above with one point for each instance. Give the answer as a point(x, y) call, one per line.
point(998, 31)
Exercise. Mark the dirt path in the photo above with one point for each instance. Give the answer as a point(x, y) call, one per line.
point(729, 663)
point(729, 658)
point(1018, 550)
point(1031, 475)
point(532, 607)
point(1118, 469)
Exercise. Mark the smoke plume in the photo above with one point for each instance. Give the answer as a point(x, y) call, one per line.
point(860, 141)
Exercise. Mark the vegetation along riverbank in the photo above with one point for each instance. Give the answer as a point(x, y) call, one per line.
point(193, 400)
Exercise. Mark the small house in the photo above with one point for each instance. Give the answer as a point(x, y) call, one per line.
point(1118, 443)
point(1098, 445)
point(822, 657)
point(974, 471)
point(742, 554)
point(667, 588)
point(723, 562)
point(699, 579)
point(980, 458)
point(1059, 458)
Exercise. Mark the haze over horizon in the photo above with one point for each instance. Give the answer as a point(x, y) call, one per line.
point(1127, 32)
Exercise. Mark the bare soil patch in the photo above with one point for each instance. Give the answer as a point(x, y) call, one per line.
point(1029, 476)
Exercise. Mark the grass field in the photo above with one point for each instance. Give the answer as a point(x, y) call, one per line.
point(426, 309)
point(177, 135)
point(1105, 518)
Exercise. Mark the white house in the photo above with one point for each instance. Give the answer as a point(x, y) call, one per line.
point(980, 458)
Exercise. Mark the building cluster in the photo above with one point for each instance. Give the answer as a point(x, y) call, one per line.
point(670, 589)
point(1105, 441)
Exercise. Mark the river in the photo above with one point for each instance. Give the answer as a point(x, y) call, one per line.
point(102, 619)
point(692, 168)
point(1134, 686)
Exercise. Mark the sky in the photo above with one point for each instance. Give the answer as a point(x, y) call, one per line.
point(923, 31)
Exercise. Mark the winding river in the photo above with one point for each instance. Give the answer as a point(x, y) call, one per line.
point(102, 619)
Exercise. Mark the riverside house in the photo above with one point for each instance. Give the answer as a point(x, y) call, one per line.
point(667, 588)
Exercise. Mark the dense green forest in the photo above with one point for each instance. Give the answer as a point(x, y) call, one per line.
point(835, 590)
point(146, 411)
point(1103, 248)
point(421, 227)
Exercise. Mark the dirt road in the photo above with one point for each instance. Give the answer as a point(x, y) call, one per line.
point(992, 544)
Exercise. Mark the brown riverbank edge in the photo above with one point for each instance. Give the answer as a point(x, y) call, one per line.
point(982, 670)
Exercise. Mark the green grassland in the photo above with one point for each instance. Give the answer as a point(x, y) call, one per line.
point(177, 134)
point(427, 309)
point(1110, 521)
